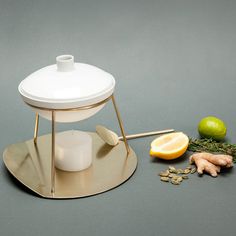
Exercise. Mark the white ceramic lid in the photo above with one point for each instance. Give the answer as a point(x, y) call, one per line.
point(67, 85)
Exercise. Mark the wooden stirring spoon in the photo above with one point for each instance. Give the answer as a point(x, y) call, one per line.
point(112, 139)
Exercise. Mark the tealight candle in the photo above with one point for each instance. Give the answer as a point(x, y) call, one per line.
point(73, 150)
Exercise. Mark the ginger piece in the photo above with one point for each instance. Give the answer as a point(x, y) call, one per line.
point(211, 163)
point(216, 159)
point(204, 165)
point(225, 158)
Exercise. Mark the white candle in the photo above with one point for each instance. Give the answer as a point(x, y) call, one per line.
point(73, 150)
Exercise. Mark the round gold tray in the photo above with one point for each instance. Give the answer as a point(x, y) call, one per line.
point(30, 164)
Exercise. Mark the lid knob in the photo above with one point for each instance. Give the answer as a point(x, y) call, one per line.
point(65, 63)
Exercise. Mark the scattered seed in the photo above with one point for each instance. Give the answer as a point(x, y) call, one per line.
point(172, 168)
point(164, 173)
point(173, 171)
point(184, 177)
point(175, 182)
point(171, 175)
point(187, 171)
point(165, 179)
point(193, 170)
point(179, 179)
point(180, 171)
point(175, 177)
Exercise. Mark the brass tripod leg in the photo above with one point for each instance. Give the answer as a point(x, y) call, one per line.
point(53, 154)
point(121, 125)
point(36, 128)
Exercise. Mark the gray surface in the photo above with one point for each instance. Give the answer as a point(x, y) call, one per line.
point(174, 62)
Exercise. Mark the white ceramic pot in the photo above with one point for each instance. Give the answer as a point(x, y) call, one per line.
point(67, 85)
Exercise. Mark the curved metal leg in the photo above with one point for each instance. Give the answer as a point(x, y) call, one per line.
point(36, 128)
point(121, 125)
point(53, 154)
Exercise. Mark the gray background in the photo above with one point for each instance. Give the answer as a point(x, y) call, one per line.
point(174, 63)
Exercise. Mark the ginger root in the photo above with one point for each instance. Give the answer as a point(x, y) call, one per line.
point(211, 163)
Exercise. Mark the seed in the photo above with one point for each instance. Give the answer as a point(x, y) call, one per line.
point(187, 171)
point(175, 182)
point(173, 171)
point(171, 175)
point(184, 177)
point(175, 177)
point(172, 168)
point(179, 179)
point(193, 170)
point(164, 173)
point(165, 179)
point(180, 171)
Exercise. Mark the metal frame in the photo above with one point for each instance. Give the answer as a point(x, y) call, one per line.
point(53, 114)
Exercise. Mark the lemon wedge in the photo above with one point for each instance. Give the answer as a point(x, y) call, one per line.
point(169, 146)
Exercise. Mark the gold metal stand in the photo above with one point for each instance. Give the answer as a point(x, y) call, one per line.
point(121, 125)
point(36, 128)
point(53, 155)
point(129, 160)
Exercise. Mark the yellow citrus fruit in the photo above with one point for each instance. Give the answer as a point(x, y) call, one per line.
point(212, 127)
point(169, 146)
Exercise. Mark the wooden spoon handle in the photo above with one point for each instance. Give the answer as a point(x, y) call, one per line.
point(133, 136)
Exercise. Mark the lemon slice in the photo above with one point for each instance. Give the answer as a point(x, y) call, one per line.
point(169, 146)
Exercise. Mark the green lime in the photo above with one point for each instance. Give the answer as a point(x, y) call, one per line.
point(212, 127)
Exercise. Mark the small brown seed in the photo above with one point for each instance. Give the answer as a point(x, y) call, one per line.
point(173, 171)
point(175, 182)
point(193, 170)
point(187, 171)
point(184, 177)
point(164, 173)
point(172, 168)
point(180, 171)
point(179, 179)
point(171, 175)
point(175, 177)
point(165, 179)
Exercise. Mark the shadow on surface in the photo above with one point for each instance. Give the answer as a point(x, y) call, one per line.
point(104, 150)
point(17, 184)
point(180, 160)
point(226, 171)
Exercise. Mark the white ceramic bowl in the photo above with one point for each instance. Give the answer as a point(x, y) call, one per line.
point(67, 85)
point(69, 116)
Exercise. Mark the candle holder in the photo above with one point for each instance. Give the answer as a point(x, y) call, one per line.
point(33, 162)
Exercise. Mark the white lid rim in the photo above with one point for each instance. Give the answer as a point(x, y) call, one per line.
point(66, 104)
point(51, 100)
